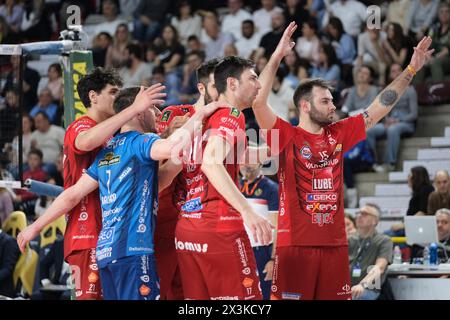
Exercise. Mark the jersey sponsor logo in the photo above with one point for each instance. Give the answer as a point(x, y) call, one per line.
point(225, 298)
point(338, 148)
point(246, 271)
point(235, 112)
point(226, 130)
point(247, 282)
point(322, 219)
point(290, 296)
point(346, 290)
point(258, 192)
point(331, 140)
point(192, 215)
point(104, 253)
point(305, 152)
point(145, 278)
point(115, 143)
point(191, 168)
point(166, 115)
point(106, 236)
point(92, 278)
point(109, 199)
point(144, 290)
point(231, 121)
point(321, 197)
point(194, 191)
point(109, 160)
point(141, 228)
point(83, 216)
point(322, 184)
point(197, 178)
point(192, 205)
point(321, 207)
point(321, 165)
point(191, 246)
point(124, 173)
point(107, 213)
point(242, 252)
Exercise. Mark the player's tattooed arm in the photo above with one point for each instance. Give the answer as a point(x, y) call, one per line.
point(368, 122)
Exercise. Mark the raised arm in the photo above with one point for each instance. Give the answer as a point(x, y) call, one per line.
point(265, 117)
point(94, 137)
point(65, 202)
point(387, 98)
point(215, 152)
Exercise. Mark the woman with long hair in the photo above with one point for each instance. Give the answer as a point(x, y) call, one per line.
point(116, 56)
point(420, 184)
point(170, 50)
point(397, 45)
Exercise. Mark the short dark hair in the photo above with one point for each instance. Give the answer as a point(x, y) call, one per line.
point(419, 178)
point(135, 49)
point(37, 152)
point(158, 70)
point(304, 90)
point(42, 113)
point(125, 98)
point(97, 80)
point(205, 70)
point(231, 66)
point(249, 21)
point(192, 38)
point(336, 23)
point(57, 67)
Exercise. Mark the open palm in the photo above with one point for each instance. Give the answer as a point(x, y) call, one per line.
point(285, 45)
point(421, 53)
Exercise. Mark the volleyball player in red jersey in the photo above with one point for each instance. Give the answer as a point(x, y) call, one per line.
point(83, 139)
point(172, 198)
point(311, 260)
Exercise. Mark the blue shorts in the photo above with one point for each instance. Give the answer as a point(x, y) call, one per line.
point(130, 278)
point(262, 256)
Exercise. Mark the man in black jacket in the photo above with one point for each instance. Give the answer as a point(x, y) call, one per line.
point(9, 254)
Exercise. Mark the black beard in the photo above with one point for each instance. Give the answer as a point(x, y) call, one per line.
point(316, 118)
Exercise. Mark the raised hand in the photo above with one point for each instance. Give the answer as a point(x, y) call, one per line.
point(285, 45)
point(421, 53)
point(148, 97)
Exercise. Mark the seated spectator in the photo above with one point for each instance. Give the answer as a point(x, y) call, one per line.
point(6, 204)
point(186, 22)
point(397, 47)
point(55, 82)
point(262, 17)
point(170, 51)
point(189, 91)
point(397, 12)
point(269, 41)
point(149, 16)
point(26, 200)
point(308, 44)
point(370, 253)
point(370, 52)
point(297, 69)
point(419, 182)
point(317, 9)
point(350, 225)
point(440, 198)
point(46, 104)
point(280, 97)
point(193, 44)
point(363, 93)
point(328, 66)
point(249, 41)
point(439, 65)
point(295, 11)
point(127, 8)
point(172, 87)
point(420, 16)
point(215, 39)
point(9, 255)
point(10, 116)
point(232, 21)
point(48, 138)
point(12, 11)
point(36, 24)
point(401, 120)
point(136, 70)
point(230, 50)
point(352, 14)
point(100, 48)
point(7, 36)
point(115, 54)
point(27, 129)
point(112, 20)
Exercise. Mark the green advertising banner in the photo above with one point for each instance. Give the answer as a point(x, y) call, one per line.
point(75, 66)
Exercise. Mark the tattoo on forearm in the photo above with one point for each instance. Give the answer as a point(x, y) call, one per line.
point(367, 120)
point(388, 98)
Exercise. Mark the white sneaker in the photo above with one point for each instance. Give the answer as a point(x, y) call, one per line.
point(379, 168)
point(390, 167)
point(352, 198)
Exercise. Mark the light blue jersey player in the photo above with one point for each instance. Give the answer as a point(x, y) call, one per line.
point(128, 185)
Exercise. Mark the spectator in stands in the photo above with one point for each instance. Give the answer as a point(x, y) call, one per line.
point(9, 255)
point(249, 41)
point(344, 46)
point(350, 225)
point(230, 50)
point(27, 129)
point(136, 70)
point(12, 12)
point(352, 14)
point(6, 204)
point(48, 138)
point(100, 48)
point(317, 9)
point(370, 52)
point(55, 82)
point(149, 16)
point(30, 82)
point(328, 66)
point(46, 104)
point(10, 116)
point(189, 91)
point(440, 198)
point(6, 35)
point(419, 182)
point(36, 24)
point(370, 253)
point(443, 225)
point(363, 93)
point(110, 13)
point(397, 12)
point(308, 44)
point(295, 11)
point(262, 17)
point(269, 41)
point(401, 120)
point(297, 68)
point(218, 40)
point(186, 22)
point(420, 16)
point(439, 65)
point(172, 87)
point(193, 44)
point(280, 97)
point(397, 47)
point(127, 8)
point(115, 55)
point(170, 51)
point(232, 22)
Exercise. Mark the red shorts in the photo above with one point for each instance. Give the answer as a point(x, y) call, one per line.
point(217, 266)
point(85, 275)
point(168, 271)
point(311, 273)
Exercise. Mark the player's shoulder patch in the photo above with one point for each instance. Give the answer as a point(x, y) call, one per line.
point(235, 112)
point(166, 115)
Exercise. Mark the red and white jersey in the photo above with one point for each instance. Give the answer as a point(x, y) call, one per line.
point(171, 198)
point(311, 182)
point(205, 209)
point(84, 221)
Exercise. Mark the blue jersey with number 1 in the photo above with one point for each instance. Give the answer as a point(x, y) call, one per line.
point(128, 185)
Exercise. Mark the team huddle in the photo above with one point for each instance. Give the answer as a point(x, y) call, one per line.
point(152, 199)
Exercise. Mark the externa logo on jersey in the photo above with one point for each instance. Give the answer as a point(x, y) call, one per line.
point(166, 115)
point(235, 112)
